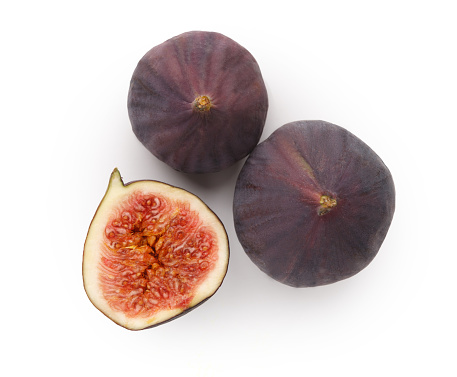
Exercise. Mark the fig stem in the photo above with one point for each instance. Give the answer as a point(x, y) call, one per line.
point(326, 204)
point(202, 104)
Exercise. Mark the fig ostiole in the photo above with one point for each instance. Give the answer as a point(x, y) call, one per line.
point(198, 102)
point(152, 253)
point(313, 204)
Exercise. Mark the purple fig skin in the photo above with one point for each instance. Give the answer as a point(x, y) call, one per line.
point(165, 86)
point(313, 204)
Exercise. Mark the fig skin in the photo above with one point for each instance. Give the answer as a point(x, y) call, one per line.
point(95, 248)
point(313, 204)
point(198, 102)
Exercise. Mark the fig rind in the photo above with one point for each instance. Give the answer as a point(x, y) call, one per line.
point(117, 193)
point(313, 204)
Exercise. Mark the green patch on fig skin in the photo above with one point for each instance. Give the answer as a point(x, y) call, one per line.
point(327, 203)
point(202, 104)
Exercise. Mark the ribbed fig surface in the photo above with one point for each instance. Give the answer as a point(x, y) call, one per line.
point(198, 102)
point(152, 252)
point(313, 204)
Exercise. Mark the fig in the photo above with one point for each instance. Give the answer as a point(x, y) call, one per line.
point(198, 102)
point(152, 253)
point(313, 204)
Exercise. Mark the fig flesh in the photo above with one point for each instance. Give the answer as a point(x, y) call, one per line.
point(198, 102)
point(152, 253)
point(313, 204)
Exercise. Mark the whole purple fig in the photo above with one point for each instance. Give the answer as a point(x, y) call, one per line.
point(198, 102)
point(313, 204)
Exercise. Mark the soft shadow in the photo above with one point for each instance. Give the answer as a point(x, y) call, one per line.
point(215, 180)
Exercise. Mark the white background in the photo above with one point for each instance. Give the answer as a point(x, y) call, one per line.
point(386, 71)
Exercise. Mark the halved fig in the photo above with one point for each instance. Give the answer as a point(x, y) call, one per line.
point(198, 102)
point(313, 204)
point(152, 252)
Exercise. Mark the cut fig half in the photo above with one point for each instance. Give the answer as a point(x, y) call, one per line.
point(152, 253)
